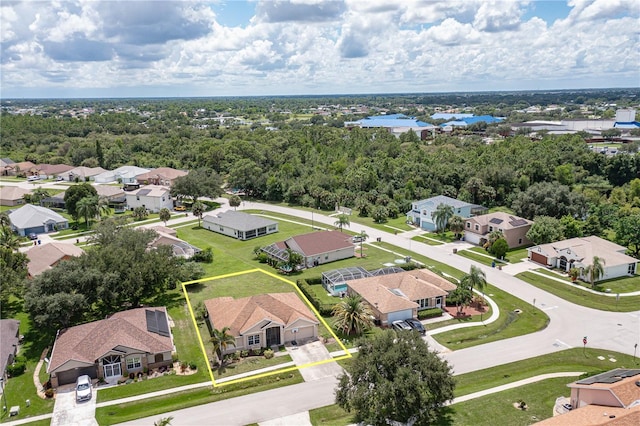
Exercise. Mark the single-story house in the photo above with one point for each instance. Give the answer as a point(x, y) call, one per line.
point(46, 256)
point(124, 174)
point(316, 248)
point(82, 174)
point(263, 320)
point(152, 197)
point(401, 295)
point(421, 213)
point(12, 195)
point(160, 176)
point(167, 237)
point(24, 168)
point(240, 225)
point(514, 228)
point(5, 165)
point(37, 220)
point(50, 171)
point(579, 253)
point(114, 194)
point(610, 398)
point(126, 342)
point(10, 338)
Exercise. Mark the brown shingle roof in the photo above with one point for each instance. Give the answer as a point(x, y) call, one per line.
point(316, 243)
point(44, 257)
point(596, 415)
point(241, 314)
point(9, 338)
point(88, 342)
point(163, 173)
point(13, 193)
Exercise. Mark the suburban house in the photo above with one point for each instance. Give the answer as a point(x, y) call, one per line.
point(316, 248)
point(167, 237)
point(514, 228)
point(242, 226)
point(611, 398)
point(126, 342)
point(46, 256)
point(5, 165)
point(151, 197)
point(160, 176)
point(10, 338)
point(30, 219)
point(50, 171)
point(12, 195)
point(401, 295)
point(81, 174)
point(421, 213)
point(24, 168)
point(124, 174)
point(264, 320)
point(579, 252)
point(114, 194)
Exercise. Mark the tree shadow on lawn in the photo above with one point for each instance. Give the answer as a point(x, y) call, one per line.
point(446, 417)
point(196, 287)
point(12, 308)
point(168, 299)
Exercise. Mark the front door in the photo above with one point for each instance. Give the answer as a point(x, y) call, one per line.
point(273, 336)
point(111, 366)
point(439, 302)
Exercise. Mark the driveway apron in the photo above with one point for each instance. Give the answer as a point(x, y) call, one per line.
point(313, 352)
point(68, 412)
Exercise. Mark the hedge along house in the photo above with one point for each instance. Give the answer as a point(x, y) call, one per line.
point(579, 253)
point(316, 248)
point(400, 296)
point(30, 219)
point(127, 342)
point(263, 320)
point(242, 226)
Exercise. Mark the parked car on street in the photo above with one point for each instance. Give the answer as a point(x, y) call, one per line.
point(416, 325)
point(33, 236)
point(401, 325)
point(83, 388)
point(180, 208)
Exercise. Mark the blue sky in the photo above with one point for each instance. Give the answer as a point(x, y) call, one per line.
point(91, 48)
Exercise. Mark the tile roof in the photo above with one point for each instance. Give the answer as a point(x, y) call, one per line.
point(596, 415)
point(242, 314)
point(164, 173)
point(315, 243)
point(43, 257)
point(13, 193)
point(88, 342)
point(588, 247)
point(414, 285)
point(54, 169)
point(9, 337)
point(30, 216)
point(238, 220)
point(84, 172)
point(109, 190)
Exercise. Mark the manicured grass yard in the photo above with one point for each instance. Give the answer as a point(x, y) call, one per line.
point(509, 324)
point(575, 295)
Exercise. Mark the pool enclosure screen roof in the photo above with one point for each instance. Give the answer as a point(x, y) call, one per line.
point(342, 275)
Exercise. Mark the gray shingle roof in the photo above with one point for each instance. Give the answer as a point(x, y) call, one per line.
point(238, 220)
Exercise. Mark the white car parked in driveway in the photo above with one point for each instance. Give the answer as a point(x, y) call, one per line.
point(83, 388)
point(401, 325)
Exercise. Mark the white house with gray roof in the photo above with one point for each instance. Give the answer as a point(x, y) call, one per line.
point(242, 226)
point(151, 197)
point(124, 174)
point(30, 219)
point(421, 213)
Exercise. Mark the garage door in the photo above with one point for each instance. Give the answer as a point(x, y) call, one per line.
point(539, 258)
point(70, 376)
point(472, 238)
point(399, 315)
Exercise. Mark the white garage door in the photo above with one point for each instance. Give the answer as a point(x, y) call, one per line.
point(399, 315)
point(472, 238)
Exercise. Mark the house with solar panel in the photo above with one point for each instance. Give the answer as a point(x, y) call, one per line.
point(151, 197)
point(396, 124)
point(126, 342)
point(513, 228)
point(421, 213)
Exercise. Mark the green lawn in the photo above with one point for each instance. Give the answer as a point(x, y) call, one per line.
point(509, 324)
point(581, 297)
point(426, 240)
point(398, 224)
point(498, 405)
point(479, 257)
point(250, 364)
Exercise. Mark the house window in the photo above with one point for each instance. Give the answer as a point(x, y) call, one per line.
point(134, 363)
point(519, 240)
point(632, 269)
point(422, 303)
point(138, 197)
point(468, 225)
point(163, 199)
point(477, 227)
point(254, 339)
point(221, 229)
point(491, 229)
point(272, 228)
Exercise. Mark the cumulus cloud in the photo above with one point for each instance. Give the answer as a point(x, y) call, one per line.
point(299, 11)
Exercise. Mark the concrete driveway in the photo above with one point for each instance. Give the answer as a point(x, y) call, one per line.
point(310, 353)
point(68, 412)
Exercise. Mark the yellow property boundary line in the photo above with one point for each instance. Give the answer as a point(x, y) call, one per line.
point(273, 372)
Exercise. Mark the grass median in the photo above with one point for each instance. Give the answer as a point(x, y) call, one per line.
point(578, 296)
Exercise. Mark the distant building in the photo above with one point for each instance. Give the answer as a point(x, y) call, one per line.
point(12, 195)
point(160, 176)
point(124, 174)
point(396, 124)
point(82, 174)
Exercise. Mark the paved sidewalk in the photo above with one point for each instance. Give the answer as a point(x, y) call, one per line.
point(314, 353)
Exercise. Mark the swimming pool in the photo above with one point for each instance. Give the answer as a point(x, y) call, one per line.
point(336, 289)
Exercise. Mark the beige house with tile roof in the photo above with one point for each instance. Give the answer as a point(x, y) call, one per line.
point(400, 296)
point(579, 253)
point(12, 195)
point(167, 237)
point(514, 228)
point(263, 320)
point(160, 176)
point(46, 256)
point(82, 173)
point(126, 342)
point(610, 398)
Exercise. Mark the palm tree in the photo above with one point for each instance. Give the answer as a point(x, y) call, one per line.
point(343, 220)
point(198, 209)
point(103, 207)
point(493, 236)
point(165, 421)
point(221, 340)
point(441, 216)
point(9, 239)
point(164, 215)
point(476, 278)
point(5, 221)
point(87, 207)
point(353, 315)
point(595, 271)
point(456, 225)
point(363, 237)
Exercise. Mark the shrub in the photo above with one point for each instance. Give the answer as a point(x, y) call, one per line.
point(429, 313)
point(49, 393)
point(236, 356)
point(183, 366)
point(262, 257)
point(304, 286)
point(244, 354)
point(17, 368)
point(174, 357)
point(268, 354)
point(203, 256)
point(193, 366)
